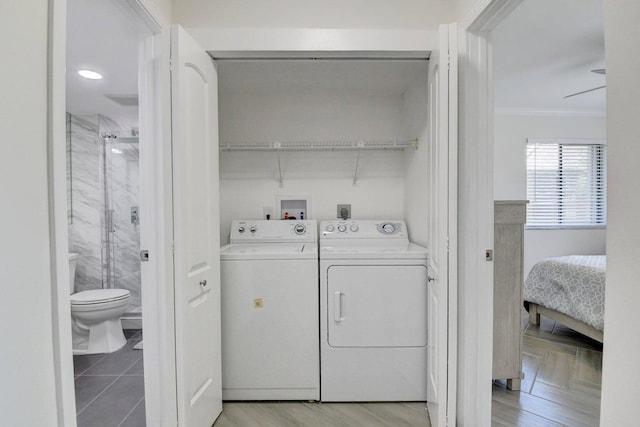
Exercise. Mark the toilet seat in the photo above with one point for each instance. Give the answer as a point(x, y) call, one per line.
point(98, 296)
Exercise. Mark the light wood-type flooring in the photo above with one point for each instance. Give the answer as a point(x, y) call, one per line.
point(561, 388)
point(309, 414)
point(563, 372)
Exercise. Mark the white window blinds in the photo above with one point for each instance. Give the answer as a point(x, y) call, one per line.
point(566, 183)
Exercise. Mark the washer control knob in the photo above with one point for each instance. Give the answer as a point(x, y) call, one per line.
point(329, 228)
point(342, 228)
point(354, 227)
point(388, 228)
point(300, 229)
point(253, 229)
point(241, 229)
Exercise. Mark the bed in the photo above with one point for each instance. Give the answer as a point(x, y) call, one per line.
point(569, 290)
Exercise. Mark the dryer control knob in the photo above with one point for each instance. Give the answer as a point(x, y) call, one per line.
point(354, 227)
point(300, 229)
point(342, 228)
point(329, 228)
point(241, 229)
point(253, 229)
point(388, 228)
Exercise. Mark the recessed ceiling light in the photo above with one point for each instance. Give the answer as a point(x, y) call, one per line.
point(116, 151)
point(88, 74)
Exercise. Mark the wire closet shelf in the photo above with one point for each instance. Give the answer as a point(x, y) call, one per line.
point(358, 146)
point(319, 145)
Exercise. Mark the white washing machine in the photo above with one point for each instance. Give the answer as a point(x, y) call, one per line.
point(373, 312)
point(269, 299)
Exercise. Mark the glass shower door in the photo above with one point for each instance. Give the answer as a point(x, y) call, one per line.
point(122, 234)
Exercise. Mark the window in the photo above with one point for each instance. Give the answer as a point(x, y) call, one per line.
point(566, 183)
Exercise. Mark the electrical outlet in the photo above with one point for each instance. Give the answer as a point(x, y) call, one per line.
point(267, 212)
point(344, 211)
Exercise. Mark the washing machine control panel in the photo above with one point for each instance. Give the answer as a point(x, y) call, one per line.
point(388, 228)
point(363, 229)
point(256, 231)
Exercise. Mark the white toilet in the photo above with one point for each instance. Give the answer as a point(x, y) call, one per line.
point(95, 316)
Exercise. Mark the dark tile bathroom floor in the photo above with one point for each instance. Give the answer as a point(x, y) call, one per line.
point(110, 387)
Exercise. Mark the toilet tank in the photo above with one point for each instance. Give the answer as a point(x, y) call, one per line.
point(73, 257)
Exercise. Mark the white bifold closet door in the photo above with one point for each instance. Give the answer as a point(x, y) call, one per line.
point(194, 85)
point(442, 220)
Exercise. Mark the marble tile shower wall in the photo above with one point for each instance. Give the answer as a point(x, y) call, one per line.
point(109, 259)
point(87, 202)
point(68, 157)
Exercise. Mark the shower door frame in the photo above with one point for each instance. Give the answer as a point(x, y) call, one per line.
point(108, 245)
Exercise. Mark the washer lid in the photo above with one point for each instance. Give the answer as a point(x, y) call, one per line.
point(97, 296)
point(251, 251)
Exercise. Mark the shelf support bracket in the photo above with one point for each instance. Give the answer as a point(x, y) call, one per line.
point(276, 146)
point(355, 171)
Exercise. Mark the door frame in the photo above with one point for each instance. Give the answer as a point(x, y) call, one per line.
point(155, 202)
point(158, 319)
point(475, 219)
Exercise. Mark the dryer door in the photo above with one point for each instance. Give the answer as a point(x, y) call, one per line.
point(377, 306)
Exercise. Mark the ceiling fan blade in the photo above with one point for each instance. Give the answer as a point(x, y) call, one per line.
point(584, 91)
point(600, 71)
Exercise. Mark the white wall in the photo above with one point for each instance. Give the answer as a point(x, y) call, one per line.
point(303, 112)
point(323, 27)
point(510, 178)
point(510, 137)
point(540, 244)
point(301, 100)
point(416, 178)
point(162, 9)
point(621, 374)
point(320, 101)
point(313, 14)
point(462, 8)
point(369, 199)
point(27, 395)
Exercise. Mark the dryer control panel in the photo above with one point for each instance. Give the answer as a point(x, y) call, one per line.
point(363, 229)
point(257, 231)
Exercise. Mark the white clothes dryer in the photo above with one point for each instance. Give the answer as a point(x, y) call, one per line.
point(373, 312)
point(269, 299)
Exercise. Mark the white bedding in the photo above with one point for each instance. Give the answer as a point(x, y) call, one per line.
point(573, 285)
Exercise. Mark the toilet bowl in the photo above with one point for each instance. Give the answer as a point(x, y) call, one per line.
point(95, 317)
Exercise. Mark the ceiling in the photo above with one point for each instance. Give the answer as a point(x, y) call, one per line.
point(102, 36)
point(545, 50)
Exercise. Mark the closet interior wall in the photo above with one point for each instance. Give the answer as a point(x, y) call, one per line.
point(323, 101)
